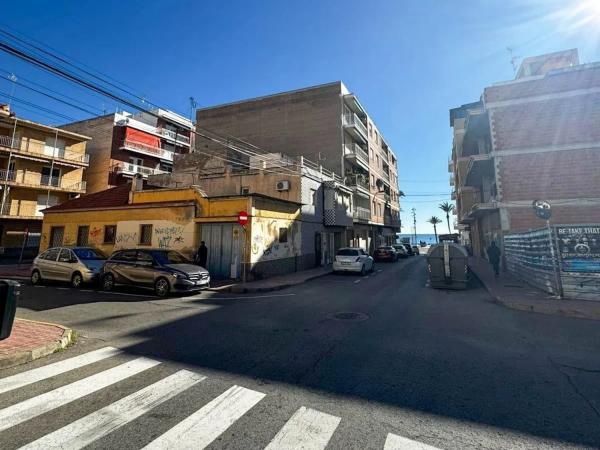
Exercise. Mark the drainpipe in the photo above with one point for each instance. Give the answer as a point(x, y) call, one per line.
point(52, 167)
point(5, 190)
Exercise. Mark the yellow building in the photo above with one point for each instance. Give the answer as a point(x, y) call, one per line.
point(40, 166)
point(128, 216)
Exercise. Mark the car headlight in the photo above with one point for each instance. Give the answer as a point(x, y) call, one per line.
point(181, 276)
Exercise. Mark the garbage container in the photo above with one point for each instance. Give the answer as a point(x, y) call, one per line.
point(9, 294)
point(447, 264)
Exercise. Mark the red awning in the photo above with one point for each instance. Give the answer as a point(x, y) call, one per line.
point(134, 135)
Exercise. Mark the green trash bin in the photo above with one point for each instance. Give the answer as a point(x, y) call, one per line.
point(9, 294)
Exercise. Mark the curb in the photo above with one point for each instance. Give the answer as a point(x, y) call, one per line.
point(555, 310)
point(23, 357)
point(238, 289)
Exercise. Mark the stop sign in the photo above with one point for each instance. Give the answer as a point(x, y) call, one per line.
point(243, 218)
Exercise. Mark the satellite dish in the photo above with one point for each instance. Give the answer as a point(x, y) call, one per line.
point(542, 209)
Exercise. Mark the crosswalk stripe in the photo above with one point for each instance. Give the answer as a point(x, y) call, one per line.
point(41, 373)
point(33, 407)
point(307, 429)
point(395, 442)
point(86, 430)
point(205, 425)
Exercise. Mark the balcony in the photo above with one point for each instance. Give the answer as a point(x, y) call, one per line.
point(145, 149)
point(391, 221)
point(453, 195)
point(450, 165)
point(20, 209)
point(384, 156)
point(126, 168)
point(35, 149)
point(128, 121)
point(358, 182)
point(357, 153)
point(361, 214)
point(173, 135)
point(451, 180)
point(355, 127)
point(36, 180)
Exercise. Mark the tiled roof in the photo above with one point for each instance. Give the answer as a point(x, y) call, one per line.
point(117, 196)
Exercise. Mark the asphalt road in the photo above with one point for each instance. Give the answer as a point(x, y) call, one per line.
point(343, 361)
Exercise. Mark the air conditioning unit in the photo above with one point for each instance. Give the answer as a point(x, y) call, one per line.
point(283, 185)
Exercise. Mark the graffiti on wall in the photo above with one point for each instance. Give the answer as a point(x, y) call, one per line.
point(127, 237)
point(95, 234)
point(169, 235)
point(266, 239)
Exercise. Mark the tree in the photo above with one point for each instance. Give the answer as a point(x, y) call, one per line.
point(433, 220)
point(447, 207)
point(401, 194)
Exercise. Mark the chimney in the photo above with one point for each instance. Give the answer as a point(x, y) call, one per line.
point(137, 185)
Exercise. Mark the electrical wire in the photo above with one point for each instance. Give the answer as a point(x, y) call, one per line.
point(41, 108)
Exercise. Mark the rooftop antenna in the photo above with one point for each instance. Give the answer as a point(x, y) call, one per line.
point(513, 58)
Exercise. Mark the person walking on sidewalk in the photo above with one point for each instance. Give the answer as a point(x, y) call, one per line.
point(493, 253)
point(202, 255)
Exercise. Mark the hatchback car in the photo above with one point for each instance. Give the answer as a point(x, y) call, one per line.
point(77, 265)
point(400, 250)
point(165, 271)
point(350, 259)
point(416, 250)
point(385, 253)
point(409, 249)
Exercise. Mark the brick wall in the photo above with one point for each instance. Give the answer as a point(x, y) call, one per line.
point(550, 175)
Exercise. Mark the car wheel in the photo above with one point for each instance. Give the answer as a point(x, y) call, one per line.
point(161, 287)
point(76, 280)
point(108, 282)
point(36, 277)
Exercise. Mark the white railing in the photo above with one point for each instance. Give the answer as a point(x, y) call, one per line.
point(357, 150)
point(40, 150)
point(173, 135)
point(147, 149)
point(352, 120)
point(362, 213)
point(133, 169)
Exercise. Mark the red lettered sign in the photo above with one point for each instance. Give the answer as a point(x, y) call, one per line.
point(243, 218)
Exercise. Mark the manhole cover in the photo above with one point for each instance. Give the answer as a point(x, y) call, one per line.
point(349, 316)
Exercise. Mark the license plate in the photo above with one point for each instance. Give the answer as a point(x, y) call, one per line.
point(344, 263)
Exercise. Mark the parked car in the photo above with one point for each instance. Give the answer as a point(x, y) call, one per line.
point(385, 253)
point(76, 265)
point(350, 259)
point(400, 250)
point(416, 250)
point(165, 271)
point(409, 249)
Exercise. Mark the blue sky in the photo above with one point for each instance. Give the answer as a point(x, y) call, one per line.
point(408, 62)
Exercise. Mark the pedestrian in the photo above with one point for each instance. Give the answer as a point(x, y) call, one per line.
point(493, 253)
point(202, 255)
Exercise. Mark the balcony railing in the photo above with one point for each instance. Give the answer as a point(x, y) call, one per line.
point(384, 156)
point(361, 213)
point(386, 176)
point(358, 152)
point(37, 180)
point(352, 120)
point(451, 180)
point(391, 221)
point(133, 169)
point(147, 150)
point(357, 181)
point(173, 135)
point(26, 147)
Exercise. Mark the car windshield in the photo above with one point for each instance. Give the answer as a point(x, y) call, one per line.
point(88, 254)
point(385, 248)
point(347, 252)
point(169, 257)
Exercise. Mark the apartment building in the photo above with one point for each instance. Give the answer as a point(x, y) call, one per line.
point(40, 166)
point(325, 220)
point(326, 124)
point(534, 137)
point(125, 144)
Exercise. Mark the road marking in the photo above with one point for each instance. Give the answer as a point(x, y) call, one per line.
point(33, 407)
point(379, 270)
point(395, 442)
point(307, 429)
point(50, 370)
point(126, 294)
point(205, 425)
point(88, 429)
point(86, 290)
point(64, 288)
point(37, 286)
point(356, 281)
point(194, 297)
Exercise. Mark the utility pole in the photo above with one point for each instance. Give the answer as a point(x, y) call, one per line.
point(414, 214)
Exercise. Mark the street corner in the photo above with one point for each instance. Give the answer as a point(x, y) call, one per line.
point(31, 340)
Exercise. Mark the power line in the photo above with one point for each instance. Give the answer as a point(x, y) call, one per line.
point(41, 108)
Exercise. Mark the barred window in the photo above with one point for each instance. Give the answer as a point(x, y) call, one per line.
point(146, 234)
point(83, 232)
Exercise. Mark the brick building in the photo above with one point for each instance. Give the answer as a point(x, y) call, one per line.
point(534, 137)
point(125, 144)
point(326, 124)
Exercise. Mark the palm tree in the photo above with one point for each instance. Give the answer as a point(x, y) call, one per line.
point(447, 207)
point(401, 194)
point(433, 220)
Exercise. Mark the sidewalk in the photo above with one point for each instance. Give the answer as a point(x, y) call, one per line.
point(275, 283)
point(31, 340)
point(15, 270)
point(514, 293)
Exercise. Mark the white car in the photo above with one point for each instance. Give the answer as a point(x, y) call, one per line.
point(349, 259)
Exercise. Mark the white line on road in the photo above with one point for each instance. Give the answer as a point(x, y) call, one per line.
point(50, 370)
point(206, 424)
point(33, 407)
point(126, 294)
point(88, 429)
point(395, 442)
point(307, 429)
point(379, 270)
point(357, 281)
point(241, 297)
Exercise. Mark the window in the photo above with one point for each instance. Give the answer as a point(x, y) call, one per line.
point(313, 197)
point(370, 129)
point(51, 254)
point(57, 150)
point(56, 236)
point(245, 190)
point(50, 176)
point(376, 136)
point(169, 257)
point(372, 180)
point(109, 234)
point(65, 255)
point(283, 235)
point(144, 257)
point(88, 254)
point(125, 256)
point(146, 234)
point(136, 161)
point(377, 156)
point(370, 153)
point(83, 232)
